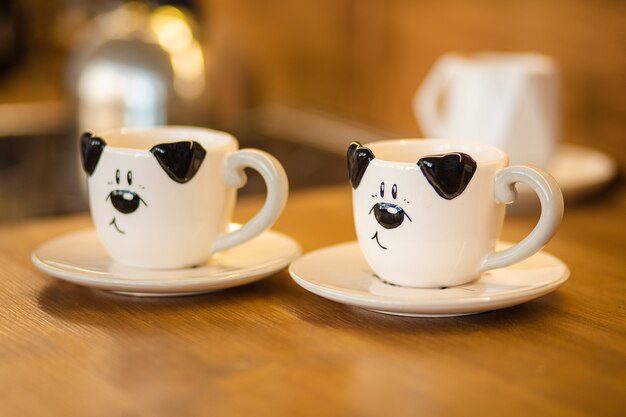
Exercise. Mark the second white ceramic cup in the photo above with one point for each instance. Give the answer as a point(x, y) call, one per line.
point(163, 197)
point(428, 212)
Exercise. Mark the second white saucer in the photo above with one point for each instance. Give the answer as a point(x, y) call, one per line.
point(79, 258)
point(579, 170)
point(340, 273)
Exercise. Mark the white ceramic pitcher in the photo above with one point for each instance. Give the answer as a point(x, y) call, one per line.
point(507, 100)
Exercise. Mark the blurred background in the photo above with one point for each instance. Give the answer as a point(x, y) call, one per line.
point(299, 79)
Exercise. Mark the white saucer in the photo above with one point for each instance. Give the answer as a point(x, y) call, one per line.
point(341, 274)
point(80, 258)
point(579, 171)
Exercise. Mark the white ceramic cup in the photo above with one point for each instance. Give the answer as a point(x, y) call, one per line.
point(162, 197)
point(428, 212)
point(507, 100)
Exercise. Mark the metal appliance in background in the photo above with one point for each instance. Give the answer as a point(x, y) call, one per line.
point(139, 65)
point(133, 63)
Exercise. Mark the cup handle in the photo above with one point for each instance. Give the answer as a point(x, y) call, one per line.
point(551, 200)
point(428, 95)
point(277, 190)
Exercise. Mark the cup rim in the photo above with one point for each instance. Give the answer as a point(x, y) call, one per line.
point(216, 139)
point(502, 156)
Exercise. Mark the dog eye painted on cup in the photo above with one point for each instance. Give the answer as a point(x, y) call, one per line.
point(447, 174)
point(180, 161)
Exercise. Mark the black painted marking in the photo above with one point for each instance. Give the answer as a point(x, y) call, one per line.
point(117, 176)
point(114, 224)
point(394, 191)
point(129, 178)
point(377, 241)
point(389, 215)
point(359, 158)
point(404, 286)
point(180, 160)
point(91, 148)
point(448, 174)
point(387, 282)
point(125, 201)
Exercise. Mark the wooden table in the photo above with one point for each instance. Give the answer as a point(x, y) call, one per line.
point(272, 348)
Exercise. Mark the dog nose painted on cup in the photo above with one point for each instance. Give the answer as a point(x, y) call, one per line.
point(389, 215)
point(125, 201)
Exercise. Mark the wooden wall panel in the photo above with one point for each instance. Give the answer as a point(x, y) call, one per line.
point(363, 59)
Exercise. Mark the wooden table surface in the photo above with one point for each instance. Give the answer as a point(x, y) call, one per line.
point(272, 348)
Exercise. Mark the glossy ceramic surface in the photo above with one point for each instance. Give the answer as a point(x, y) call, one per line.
point(428, 212)
point(162, 197)
point(80, 258)
point(340, 273)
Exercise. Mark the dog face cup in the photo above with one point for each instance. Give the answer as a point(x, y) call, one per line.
point(428, 213)
point(162, 197)
point(180, 161)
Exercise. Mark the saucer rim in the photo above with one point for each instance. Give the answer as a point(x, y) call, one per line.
point(200, 283)
point(584, 184)
point(439, 307)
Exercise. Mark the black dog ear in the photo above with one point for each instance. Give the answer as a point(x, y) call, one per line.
point(448, 174)
point(359, 158)
point(180, 160)
point(91, 148)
